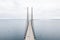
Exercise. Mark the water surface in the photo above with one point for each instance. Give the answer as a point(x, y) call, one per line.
point(12, 29)
point(47, 29)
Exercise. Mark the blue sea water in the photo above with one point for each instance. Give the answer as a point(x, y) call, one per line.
point(47, 29)
point(14, 29)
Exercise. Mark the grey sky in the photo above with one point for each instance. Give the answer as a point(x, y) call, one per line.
point(43, 9)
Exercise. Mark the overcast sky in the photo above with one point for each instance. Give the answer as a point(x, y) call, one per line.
point(17, 9)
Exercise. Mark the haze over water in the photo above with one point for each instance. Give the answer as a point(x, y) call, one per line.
point(14, 29)
point(47, 29)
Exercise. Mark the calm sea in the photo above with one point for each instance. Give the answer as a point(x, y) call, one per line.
point(14, 29)
point(47, 29)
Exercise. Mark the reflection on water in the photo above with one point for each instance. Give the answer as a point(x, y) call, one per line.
point(47, 29)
